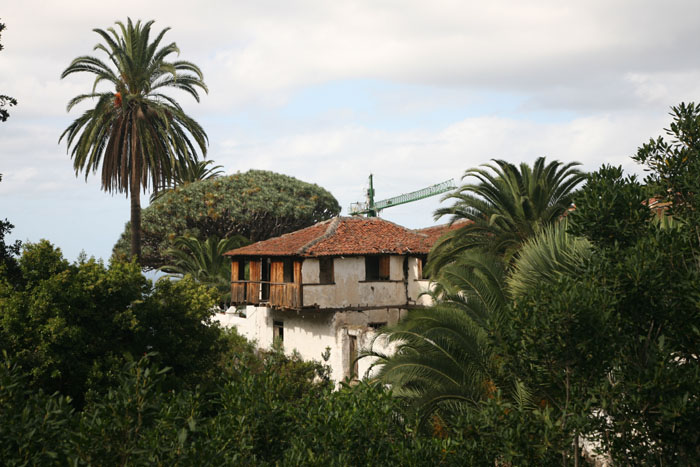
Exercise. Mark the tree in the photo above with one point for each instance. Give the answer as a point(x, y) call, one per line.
point(453, 362)
point(443, 354)
point(5, 100)
point(71, 326)
point(191, 171)
point(135, 132)
point(648, 273)
point(9, 268)
point(256, 205)
point(546, 256)
point(507, 206)
point(674, 166)
point(204, 261)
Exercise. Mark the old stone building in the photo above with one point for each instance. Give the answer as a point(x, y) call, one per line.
point(330, 285)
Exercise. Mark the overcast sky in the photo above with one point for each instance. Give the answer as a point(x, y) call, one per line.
point(415, 92)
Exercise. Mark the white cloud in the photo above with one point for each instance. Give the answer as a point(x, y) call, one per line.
point(588, 81)
point(262, 51)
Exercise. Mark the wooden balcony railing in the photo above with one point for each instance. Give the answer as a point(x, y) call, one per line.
point(276, 294)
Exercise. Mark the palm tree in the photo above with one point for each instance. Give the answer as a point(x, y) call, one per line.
point(546, 256)
point(507, 206)
point(135, 132)
point(204, 261)
point(444, 355)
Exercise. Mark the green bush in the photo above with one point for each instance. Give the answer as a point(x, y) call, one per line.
point(70, 327)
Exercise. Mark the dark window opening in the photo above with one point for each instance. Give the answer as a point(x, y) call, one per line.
point(243, 271)
point(288, 270)
point(377, 326)
point(352, 358)
point(266, 279)
point(377, 268)
point(325, 271)
point(278, 331)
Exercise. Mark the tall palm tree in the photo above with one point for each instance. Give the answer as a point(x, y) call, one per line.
point(135, 132)
point(506, 206)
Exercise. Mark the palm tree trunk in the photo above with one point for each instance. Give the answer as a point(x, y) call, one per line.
point(136, 221)
point(135, 185)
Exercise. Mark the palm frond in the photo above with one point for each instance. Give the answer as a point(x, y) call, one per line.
point(505, 206)
point(547, 255)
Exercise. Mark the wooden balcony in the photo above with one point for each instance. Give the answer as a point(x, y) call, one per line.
point(274, 294)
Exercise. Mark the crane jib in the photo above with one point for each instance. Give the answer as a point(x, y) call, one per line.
point(371, 209)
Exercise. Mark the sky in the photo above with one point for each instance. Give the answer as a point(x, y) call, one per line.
point(414, 92)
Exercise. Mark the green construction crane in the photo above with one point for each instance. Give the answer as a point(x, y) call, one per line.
point(371, 209)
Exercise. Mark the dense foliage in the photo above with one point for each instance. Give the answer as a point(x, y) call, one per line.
point(188, 172)
point(71, 326)
point(256, 205)
point(269, 409)
point(595, 319)
point(205, 262)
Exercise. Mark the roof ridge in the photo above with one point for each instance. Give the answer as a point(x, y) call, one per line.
point(332, 227)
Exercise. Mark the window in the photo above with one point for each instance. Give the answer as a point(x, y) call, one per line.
point(288, 270)
point(377, 268)
point(325, 271)
point(278, 331)
point(265, 277)
point(243, 271)
point(421, 264)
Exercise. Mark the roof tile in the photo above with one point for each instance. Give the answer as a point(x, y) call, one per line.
point(347, 236)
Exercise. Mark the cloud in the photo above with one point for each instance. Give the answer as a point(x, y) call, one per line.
point(403, 161)
point(450, 87)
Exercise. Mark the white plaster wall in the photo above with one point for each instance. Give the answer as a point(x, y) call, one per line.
point(369, 341)
point(355, 323)
point(416, 285)
point(396, 268)
point(310, 333)
point(256, 326)
point(350, 290)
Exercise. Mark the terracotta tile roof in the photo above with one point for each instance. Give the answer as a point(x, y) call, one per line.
point(342, 236)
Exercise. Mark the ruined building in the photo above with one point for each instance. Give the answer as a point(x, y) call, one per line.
point(330, 285)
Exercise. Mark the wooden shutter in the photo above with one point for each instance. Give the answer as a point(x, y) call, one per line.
point(297, 302)
point(234, 270)
point(384, 267)
point(254, 285)
point(277, 271)
point(276, 288)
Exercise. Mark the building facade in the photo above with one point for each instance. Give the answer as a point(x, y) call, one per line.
point(329, 287)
